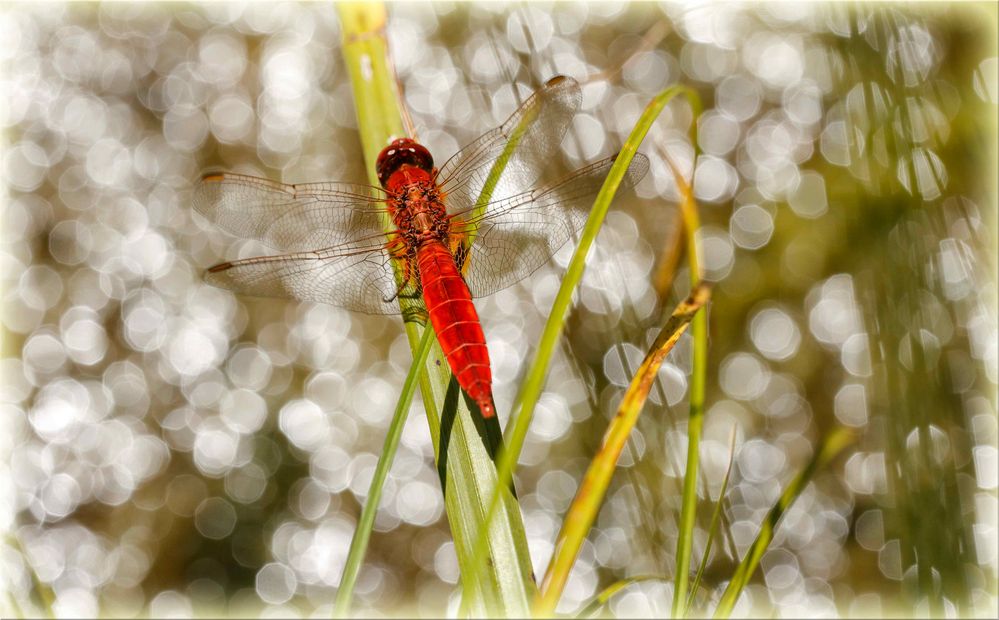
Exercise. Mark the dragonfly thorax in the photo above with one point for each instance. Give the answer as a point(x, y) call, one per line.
point(418, 211)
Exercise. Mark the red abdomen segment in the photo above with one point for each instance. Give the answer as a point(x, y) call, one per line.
point(456, 323)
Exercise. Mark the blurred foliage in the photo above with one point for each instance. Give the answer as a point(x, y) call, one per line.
point(172, 448)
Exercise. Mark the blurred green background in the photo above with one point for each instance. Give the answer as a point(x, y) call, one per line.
point(171, 449)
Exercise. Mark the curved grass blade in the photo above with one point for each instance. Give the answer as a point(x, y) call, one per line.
point(530, 390)
point(359, 543)
point(506, 588)
point(713, 528)
point(605, 595)
point(496, 173)
point(585, 506)
point(831, 446)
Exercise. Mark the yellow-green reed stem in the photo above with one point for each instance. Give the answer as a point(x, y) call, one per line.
point(359, 543)
point(376, 100)
point(530, 390)
point(833, 444)
point(586, 505)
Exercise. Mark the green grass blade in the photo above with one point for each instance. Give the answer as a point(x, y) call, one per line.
point(530, 390)
point(713, 528)
point(359, 543)
point(698, 381)
point(833, 444)
point(496, 173)
point(592, 489)
point(507, 586)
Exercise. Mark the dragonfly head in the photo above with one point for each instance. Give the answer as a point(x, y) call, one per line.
point(402, 152)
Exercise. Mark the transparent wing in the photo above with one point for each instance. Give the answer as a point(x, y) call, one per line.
point(355, 278)
point(289, 217)
point(537, 128)
point(517, 235)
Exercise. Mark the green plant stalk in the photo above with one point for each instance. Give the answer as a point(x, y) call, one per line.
point(359, 543)
point(593, 488)
point(471, 476)
point(833, 444)
point(698, 380)
point(530, 390)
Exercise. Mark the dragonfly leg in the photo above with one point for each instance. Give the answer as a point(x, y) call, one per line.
point(399, 250)
point(408, 277)
point(397, 247)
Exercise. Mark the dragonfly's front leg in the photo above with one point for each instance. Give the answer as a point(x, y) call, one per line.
point(400, 251)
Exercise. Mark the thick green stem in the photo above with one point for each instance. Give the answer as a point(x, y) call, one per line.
point(698, 379)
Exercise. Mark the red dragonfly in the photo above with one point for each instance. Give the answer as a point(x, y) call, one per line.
point(337, 250)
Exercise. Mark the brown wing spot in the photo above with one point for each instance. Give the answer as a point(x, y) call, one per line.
point(219, 267)
point(213, 177)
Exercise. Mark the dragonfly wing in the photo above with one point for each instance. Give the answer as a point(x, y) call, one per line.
point(534, 131)
point(289, 217)
point(515, 236)
point(359, 280)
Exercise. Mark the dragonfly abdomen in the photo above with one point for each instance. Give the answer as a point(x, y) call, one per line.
point(456, 323)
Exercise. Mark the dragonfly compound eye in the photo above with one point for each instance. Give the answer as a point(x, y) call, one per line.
point(403, 151)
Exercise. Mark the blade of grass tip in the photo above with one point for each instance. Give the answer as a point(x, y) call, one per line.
point(506, 588)
point(359, 543)
point(698, 381)
point(833, 444)
point(713, 528)
point(605, 595)
point(530, 390)
point(592, 489)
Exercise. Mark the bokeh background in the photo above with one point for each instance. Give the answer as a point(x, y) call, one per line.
point(171, 449)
